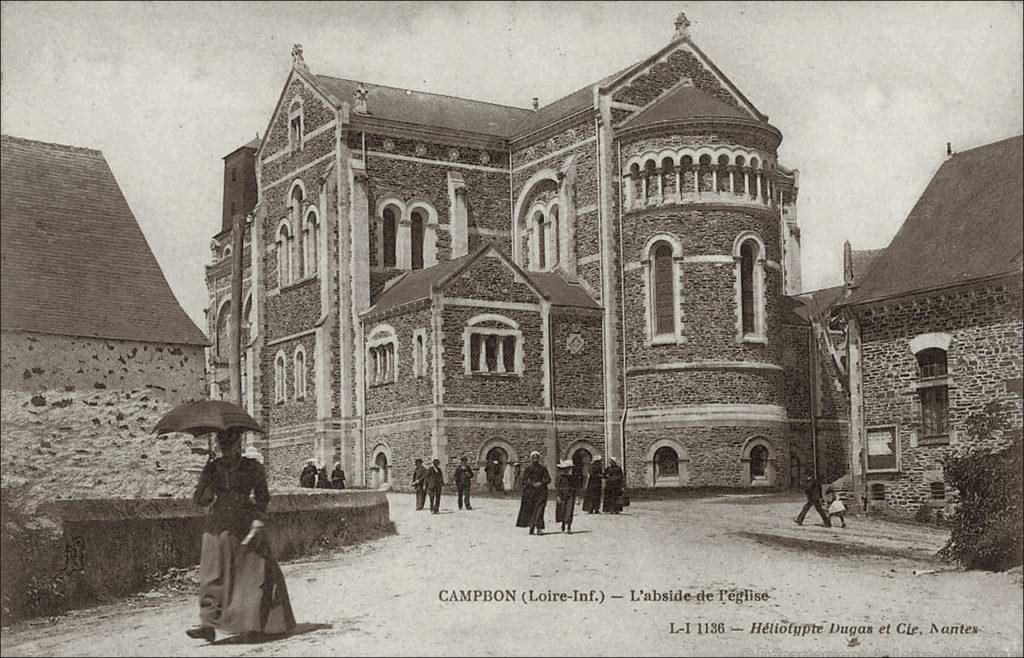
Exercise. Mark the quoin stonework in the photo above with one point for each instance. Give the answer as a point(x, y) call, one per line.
point(615, 273)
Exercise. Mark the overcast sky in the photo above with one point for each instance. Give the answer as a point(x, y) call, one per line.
point(865, 94)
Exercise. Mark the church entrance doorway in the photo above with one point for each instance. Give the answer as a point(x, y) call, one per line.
point(581, 460)
point(494, 469)
point(795, 472)
point(382, 475)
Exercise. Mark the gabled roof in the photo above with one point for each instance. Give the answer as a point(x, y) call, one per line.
point(565, 106)
point(74, 260)
point(417, 285)
point(684, 102)
point(862, 261)
point(968, 224)
point(437, 110)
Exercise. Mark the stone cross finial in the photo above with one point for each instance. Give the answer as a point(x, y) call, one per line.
point(297, 61)
point(682, 27)
point(359, 96)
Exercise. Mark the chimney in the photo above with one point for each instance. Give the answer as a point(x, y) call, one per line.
point(949, 149)
point(536, 103)
point(848, 272)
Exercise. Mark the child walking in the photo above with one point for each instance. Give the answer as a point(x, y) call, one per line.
point(836, 507)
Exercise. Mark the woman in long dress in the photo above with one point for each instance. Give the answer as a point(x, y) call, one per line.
point(592, 496)
point(535, 496)
point(566, 485)
point(613, 481)
point(241, 587)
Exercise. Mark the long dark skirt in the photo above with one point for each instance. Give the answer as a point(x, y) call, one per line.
point(613, 496)
point(565, 509)
point(531, 508)
point(241, 588)
point(592, 497)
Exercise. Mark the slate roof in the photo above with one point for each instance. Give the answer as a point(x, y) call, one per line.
point(417, 285)
point(685, 102)
point(968, 224)
point(862, 261)
point(561, 292)
point(74, 260)
point(422, 108)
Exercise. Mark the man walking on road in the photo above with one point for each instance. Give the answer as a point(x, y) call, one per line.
point(434, 481)
point(812, 488)
point(463, 478)
point(419, 483)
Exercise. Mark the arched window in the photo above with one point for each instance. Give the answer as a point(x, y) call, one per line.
point(247, 320)
point(284, 255)
point(222, 342)
point(758, 462)
point(666, 463)
point(741, 175)
point(705, 175)
point(689, 175)
point(492, 344)
point(417, 234)
point(668, 177)
point(310, 237)
point(650, 180)
point(661, 261)
point(382, 355)
point(553, 239)
point(723, 174)
point(280, 377)
point(295, 127)
point(933, 391)
point(299, 363)
point(390, 231)
point(541, 238)
point(664, 291)
point(937, 490)
point(750, 288)
point(298, 249)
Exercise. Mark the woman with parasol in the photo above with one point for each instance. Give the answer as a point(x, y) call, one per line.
point(241, 587)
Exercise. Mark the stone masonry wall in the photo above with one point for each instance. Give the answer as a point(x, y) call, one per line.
point(407, 390)
point(577, 363)
point(986, 349)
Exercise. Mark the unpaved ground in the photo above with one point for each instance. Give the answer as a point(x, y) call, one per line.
point(382, 598)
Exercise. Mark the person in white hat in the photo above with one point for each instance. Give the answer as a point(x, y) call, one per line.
point(535, 495)
point(566, 487)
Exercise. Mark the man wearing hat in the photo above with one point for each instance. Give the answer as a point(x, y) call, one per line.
point(435, 480)
point(566, 487)
point(419, 484)
point(463, 478)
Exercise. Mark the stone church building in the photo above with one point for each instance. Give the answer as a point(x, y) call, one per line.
point(612, 274)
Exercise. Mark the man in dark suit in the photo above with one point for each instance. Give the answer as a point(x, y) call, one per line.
point(463, 478)
point(812, 488)
point(419, 483)
point(435, 480)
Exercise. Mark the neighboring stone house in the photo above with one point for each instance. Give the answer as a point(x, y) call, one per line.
point(94, 344)
point(935, 327)
point(439, 277)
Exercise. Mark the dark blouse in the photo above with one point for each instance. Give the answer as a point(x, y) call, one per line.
point(237, 487)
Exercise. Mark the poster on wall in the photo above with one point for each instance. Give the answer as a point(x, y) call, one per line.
point(883, 449)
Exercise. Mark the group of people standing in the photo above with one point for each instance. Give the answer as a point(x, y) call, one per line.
point(312, 477)
point(612, 479)
point(429, 481)
point(535, 481)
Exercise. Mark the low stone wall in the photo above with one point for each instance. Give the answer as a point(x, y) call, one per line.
point(112, 545)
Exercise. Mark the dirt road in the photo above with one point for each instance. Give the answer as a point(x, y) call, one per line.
point(772, 588)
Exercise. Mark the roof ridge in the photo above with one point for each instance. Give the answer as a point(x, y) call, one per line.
point(986, 145)
point(63, 147)
point(428, 93)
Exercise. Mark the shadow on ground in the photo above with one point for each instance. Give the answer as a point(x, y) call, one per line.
point(261, 638)
point(835, 549)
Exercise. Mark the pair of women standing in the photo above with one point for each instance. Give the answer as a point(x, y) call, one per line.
point(241, 587)
point(535, 496)
point(613, 480)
